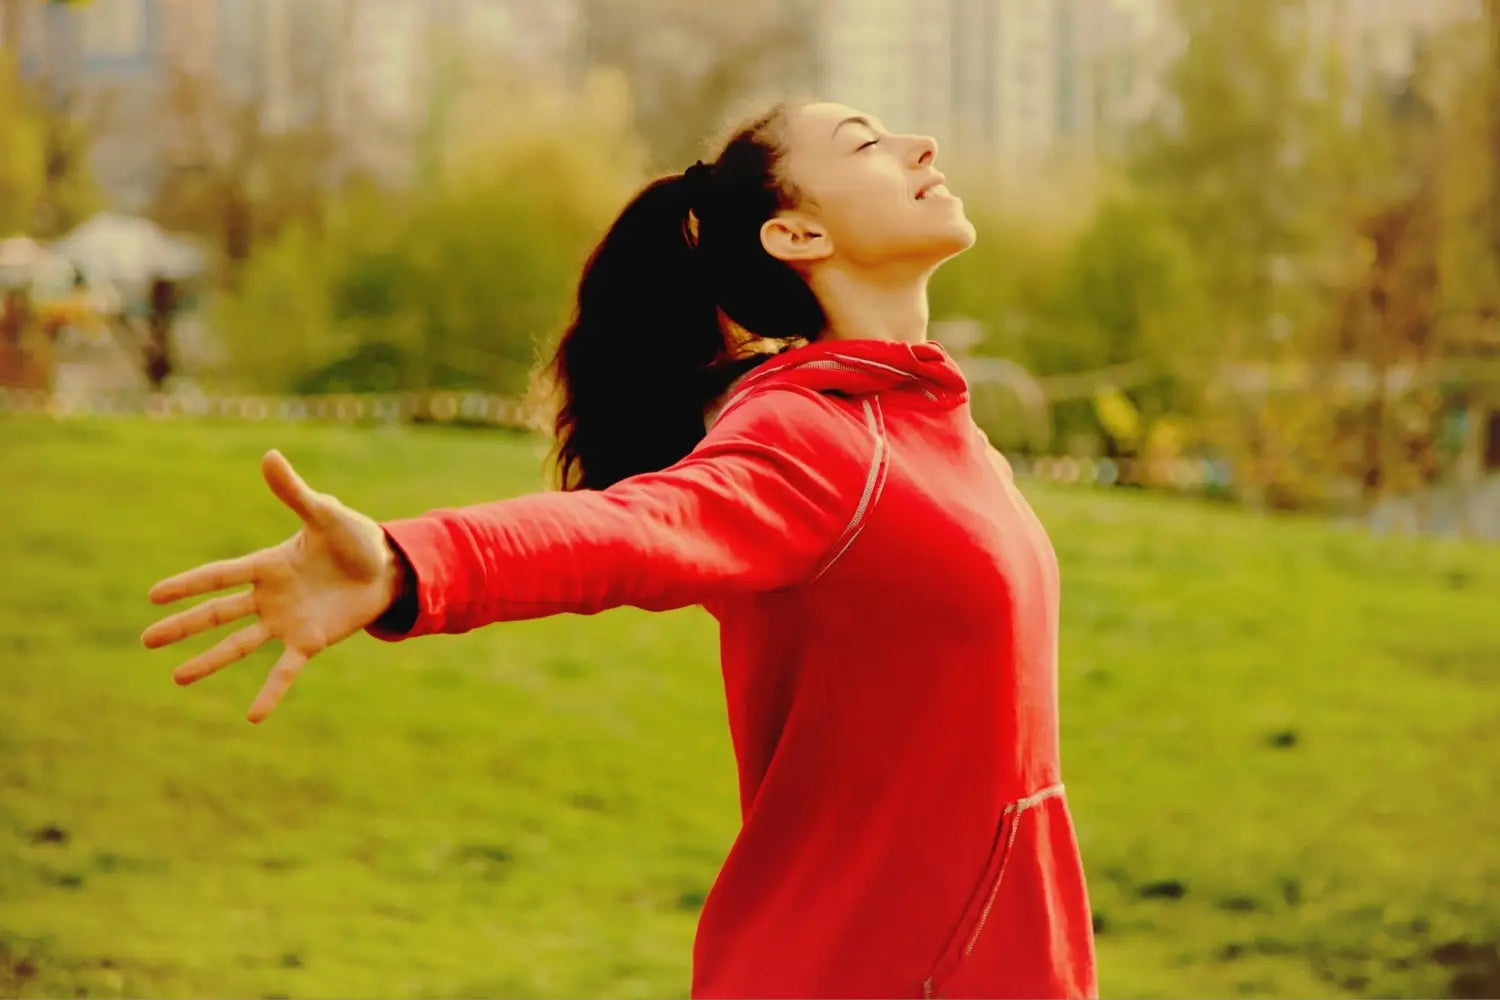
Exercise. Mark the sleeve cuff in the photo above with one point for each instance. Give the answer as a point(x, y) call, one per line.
point(399, 619)
point(418, 545)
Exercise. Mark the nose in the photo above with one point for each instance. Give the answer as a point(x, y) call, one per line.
point(924, 149)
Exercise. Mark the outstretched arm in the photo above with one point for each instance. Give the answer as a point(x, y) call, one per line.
point(758, 506)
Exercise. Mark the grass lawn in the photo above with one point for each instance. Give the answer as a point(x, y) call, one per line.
point(1281, 740)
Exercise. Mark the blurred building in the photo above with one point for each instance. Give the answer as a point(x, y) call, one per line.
point(1379, 39)
point(362, 69)
point(1016, 80)
point(367, 70)
point(1008, 81)
point(103, 60)
point(1005, 80)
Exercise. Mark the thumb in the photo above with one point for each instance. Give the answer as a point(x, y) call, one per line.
point(289, 487)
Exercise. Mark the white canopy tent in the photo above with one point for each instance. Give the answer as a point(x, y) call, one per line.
point(129, 252)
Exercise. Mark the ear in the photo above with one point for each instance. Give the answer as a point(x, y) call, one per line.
point(795, 238)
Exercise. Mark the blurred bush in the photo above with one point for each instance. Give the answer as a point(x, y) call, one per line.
point(454, 281)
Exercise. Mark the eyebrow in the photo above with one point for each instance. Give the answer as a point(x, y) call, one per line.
point(854, 120)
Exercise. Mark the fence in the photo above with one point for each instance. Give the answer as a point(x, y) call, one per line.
point(434, 407)
point(484, 409)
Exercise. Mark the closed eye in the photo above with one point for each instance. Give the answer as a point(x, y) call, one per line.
point(866, 145)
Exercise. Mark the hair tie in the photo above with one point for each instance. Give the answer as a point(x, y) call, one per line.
point(698, 177)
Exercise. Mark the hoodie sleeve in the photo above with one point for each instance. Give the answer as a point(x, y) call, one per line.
point(758, 506)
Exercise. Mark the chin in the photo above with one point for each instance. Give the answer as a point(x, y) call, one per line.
point(965, 234)
point(929, 246)
point(954, 240)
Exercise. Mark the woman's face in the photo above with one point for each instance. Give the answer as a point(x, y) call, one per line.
point(870, 197)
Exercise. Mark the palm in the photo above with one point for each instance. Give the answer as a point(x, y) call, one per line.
point(303, 597)
point(329, 580)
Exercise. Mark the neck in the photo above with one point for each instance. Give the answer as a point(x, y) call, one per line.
point(873, 306)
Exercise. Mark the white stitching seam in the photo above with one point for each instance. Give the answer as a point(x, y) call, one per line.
point(875, 421)
point(1018, 807)
point(876, 364)
point(745, 384)
point(746, 389)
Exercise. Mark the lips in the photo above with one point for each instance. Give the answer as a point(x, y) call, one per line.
point(938, 186)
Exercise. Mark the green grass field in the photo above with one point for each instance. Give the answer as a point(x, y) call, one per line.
point(1281, 742)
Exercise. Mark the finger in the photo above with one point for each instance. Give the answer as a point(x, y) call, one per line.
point(209, 577)
point(290, 488)
point(209, 614)
point(283, 675)
point(238, 646)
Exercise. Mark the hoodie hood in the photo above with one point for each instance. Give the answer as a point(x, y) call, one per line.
point(921, 375)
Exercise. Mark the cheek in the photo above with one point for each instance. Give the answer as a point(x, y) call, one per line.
point(870, 209)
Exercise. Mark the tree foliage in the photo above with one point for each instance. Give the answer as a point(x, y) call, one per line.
point(46, 186)
point(455, 283)
point(1332, 217)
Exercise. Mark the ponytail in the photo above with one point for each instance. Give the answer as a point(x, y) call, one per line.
point(645, 353)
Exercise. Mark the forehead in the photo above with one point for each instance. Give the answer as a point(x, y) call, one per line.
point(812, 125)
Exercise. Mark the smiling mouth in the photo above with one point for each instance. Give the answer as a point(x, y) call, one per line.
point(934, 191)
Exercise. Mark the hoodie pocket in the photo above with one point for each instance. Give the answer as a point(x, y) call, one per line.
point(980, 909)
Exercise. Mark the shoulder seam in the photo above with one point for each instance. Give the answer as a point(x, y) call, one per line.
point(874, 484)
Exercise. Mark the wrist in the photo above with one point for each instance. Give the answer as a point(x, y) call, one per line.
point(399, 584)
point(393, 573)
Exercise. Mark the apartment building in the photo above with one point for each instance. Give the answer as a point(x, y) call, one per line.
point(1006, 80)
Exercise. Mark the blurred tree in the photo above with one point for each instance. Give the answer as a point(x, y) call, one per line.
point(1228, 156)
point(23, 178)
point(234, 175)
point(1423, 309)
point(46, 186)
point(72, 193)
point(1389, 325)
point(1489, 92)
point(1094, 292)
point(1007, 282)
point(1463, 77)
point(12, 26)
point(277, 322)
point(1250, 158)
point(457, 282)
point(1129, 305)
point(690, 64)
point(1131, 285)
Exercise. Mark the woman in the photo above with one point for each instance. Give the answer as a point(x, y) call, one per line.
point(887, 601)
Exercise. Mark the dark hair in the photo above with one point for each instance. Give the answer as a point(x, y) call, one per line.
point(645, 352)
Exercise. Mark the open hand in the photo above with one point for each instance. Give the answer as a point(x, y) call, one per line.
point(331, 579)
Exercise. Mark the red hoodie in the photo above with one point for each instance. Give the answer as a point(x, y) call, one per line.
point(888, 607)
